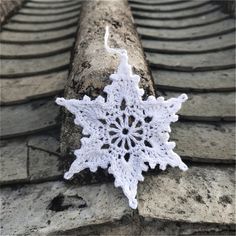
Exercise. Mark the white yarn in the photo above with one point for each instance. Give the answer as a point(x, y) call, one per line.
point(125, 132)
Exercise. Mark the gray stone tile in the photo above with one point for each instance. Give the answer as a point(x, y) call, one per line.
point(167, 7)
point(201, 194)
point(191, 13)
point(13, 162)
point(184, 23)
point(7, 36)
point(57, 207)
point(188, 34)
point(46, 19)
point(50, 11)
point(46, 142)
point(215, 106)
point(29, 50)
point(197, 45)
point(16, 68)
point(43, 165)
point(221, 80)
point(193, 62)
point(14, 91)
point(28, 118)
point(204, 142)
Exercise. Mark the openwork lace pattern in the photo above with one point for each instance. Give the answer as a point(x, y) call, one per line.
point(124, 133)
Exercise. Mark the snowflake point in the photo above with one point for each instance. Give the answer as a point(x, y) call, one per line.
point(184, 97)
point(60, 101)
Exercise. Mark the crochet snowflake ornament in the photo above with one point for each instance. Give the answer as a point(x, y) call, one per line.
point(125, 132)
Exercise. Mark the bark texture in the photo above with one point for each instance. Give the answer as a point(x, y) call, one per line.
point(92, 65)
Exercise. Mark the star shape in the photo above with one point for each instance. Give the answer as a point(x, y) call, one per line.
point(124, 133)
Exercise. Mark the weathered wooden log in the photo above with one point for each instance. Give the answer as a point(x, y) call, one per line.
point(92, 65)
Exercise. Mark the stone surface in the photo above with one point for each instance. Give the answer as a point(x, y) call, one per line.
point(43, 165)
point(14, 26)
point(193, 62)
point(219, 28)
point(177, 15)
point(13, 162)
point(11, 68)
point(228, 7)
point(140, 227)
point(90, 74)
point(204, 142)
point(201, 194)
point(56, 207)
point(210, 18)
point(25, 89)
point(211, 44)
point(169, 8)
point(44, 19)
point(52, 1)
point(170, 228)
point(159, 2)
point(29, 118)
point(48, 142)
point(14, 51)
point(48, 5)
point(34, 158)
point(207, 106)
point(44, 157)
point(37, 37)
point(52, 11)
point(220, 80)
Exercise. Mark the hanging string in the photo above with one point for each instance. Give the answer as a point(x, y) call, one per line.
point(123, 55)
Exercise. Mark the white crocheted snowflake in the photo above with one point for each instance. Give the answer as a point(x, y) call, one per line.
point(125, 133)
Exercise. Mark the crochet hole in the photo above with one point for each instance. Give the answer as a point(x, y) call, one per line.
point(131, 120)
point(118, 120)
point(105, 146)
point(112, 133)
point(148, 119)
point(123, 105)
point(140, 131)
point(124, 116)
point(138, 138)
point(119, 144)
point(147, 144)
point(103, 121)
point(126, 145)
point(127, 156)
point(113, 126)
point(125, 131)
point(132, 143)
point(114, 140)
point(139, 124)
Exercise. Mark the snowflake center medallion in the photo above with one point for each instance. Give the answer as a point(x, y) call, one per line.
point(124, 131)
